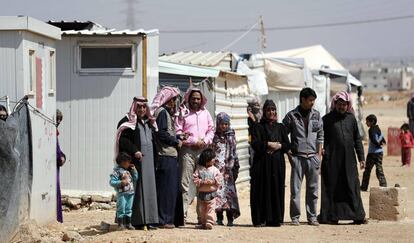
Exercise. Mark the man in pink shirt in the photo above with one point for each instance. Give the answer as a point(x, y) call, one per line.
point(195, 122)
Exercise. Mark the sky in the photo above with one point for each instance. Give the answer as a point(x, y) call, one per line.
point(369, 40)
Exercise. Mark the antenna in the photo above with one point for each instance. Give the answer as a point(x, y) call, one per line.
point(263, 44)
point(130, 14)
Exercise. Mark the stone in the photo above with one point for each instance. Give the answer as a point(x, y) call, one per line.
point(388, 203)
point(96, 206)
point(85, 199)
point(100, 198)
point(65, 208)
point(73, 202)
point(71, 236)
point(104, 226)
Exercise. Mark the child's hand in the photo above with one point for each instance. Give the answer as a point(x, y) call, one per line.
point(124, 182)
point(132, 167)
point(209, 182)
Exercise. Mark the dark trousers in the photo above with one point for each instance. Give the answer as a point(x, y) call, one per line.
point(373, 159)
point(406, 156)
point(168, 182)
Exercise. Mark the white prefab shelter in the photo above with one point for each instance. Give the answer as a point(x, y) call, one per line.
point(27, 64)
point(99, 71)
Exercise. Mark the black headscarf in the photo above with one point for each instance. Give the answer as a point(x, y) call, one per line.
point(267, 103)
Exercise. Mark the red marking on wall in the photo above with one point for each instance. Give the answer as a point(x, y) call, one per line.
point(39, 84)
point(393, 141)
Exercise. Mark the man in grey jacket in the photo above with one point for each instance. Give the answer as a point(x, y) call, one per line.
point(306, 132)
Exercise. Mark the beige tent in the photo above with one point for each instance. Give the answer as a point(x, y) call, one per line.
point(316, 57)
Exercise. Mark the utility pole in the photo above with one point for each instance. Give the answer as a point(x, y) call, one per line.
point(263, 44)
point(130, 14)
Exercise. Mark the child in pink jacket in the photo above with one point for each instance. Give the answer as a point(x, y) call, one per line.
point(207, 179)
point(407, 143)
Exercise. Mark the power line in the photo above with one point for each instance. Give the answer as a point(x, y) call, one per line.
point(239, 38)
point(292, 27)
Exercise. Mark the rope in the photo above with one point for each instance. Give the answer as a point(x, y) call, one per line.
point(32, 108)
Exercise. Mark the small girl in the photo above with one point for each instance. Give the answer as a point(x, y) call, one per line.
point(228, 164)
point(123, 179)
point(407, 142)
point(207, 179)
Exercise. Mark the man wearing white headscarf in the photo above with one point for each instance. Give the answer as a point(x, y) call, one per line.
point(170, 210)
point(340, 194)
point(135, 137)
point(195, 123)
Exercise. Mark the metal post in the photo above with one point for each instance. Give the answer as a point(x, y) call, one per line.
point(144, 66)
point(8, 104)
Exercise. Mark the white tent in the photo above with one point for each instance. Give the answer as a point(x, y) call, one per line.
point(316, 57)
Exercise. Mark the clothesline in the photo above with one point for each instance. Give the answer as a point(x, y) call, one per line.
point(34, 109)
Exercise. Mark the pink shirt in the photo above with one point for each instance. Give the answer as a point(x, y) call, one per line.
point(198, 124)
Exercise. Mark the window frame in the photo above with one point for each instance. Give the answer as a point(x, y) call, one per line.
point(32, 73)
point(129, 70)
point(52, 70)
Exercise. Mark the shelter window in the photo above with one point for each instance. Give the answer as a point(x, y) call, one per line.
point(106, 58)
point(52, 72)
point(32, 72)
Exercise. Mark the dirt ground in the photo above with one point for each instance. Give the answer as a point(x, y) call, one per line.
point(390, 113)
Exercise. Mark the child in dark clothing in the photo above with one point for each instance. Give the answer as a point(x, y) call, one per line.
point(123, 179)
point(407, 143)
point(375, 153)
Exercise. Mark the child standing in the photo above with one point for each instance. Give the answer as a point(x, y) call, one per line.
point(123, 179)
point(207, 179)
point(407, 142)
point(228, 164)
point(375, 153)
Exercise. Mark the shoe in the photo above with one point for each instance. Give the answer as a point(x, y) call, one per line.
point(152, 227)
point(364, 189)
point(166, 226)
point(259, 225)
point(121, 224)
point(127, 223)
point(360, 221)
point(208, 226)
point(333, 222)
point(199, 226)
point(295, 223)
point(230, 223)
point(313, 223)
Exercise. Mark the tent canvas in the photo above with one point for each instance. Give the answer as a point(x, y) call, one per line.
point(316, 57)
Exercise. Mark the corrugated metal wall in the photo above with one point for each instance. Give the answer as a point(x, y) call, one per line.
point(9, 44)
point(92, 105)
point(235, 105)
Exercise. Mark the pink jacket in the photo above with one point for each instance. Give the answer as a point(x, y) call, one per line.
point(406, 139)
point(198, 124)
point(207, 179)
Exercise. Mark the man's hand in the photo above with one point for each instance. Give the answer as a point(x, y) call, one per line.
point(180, 144)
point(138, 155)
point(200, 144)
point(362, 165)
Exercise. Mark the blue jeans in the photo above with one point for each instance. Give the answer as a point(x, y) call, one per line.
point(124, 204)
